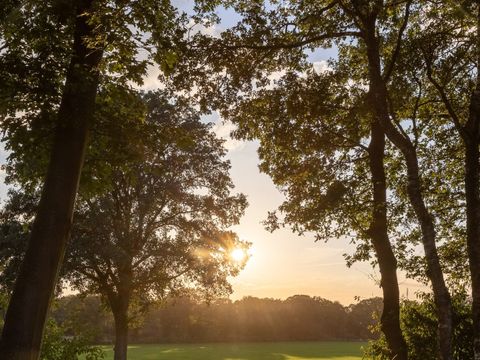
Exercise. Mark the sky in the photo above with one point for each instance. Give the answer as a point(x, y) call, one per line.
point(281, 263)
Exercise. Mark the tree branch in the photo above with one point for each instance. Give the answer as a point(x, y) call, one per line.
point(446, 101)
point(398, 45)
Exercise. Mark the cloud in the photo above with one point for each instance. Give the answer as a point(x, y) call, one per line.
point(151, 80)
point(223, 129)
point(321, 66)
point(213, 30)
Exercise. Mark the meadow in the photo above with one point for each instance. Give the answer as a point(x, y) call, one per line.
point(246, 351)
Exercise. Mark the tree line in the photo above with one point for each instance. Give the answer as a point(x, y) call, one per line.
point(380, 145)
point(189, 320)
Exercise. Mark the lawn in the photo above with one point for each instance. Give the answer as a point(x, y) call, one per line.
point(247, 351)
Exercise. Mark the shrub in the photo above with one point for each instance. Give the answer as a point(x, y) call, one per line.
point(419, 326)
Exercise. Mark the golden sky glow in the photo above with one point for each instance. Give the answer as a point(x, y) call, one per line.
point(282, 264)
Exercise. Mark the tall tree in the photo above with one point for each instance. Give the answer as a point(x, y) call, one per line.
point(368, 18)
point(370, 38)
point(158, 222)
point(319, 143)
point(25, 318)
point(162, 224)
point(93, 39)
point(449, 61)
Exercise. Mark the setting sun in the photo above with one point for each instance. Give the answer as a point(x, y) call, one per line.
point(238, 255)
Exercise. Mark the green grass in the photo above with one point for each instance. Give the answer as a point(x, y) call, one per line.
point(246, 351)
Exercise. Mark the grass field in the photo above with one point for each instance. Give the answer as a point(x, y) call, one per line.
point(247, 351)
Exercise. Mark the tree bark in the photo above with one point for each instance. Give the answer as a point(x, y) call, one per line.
point(390, 320)
point(471, 139)
point(121, 334)
point(34, 287)
point(378, 92)
point(119, 301)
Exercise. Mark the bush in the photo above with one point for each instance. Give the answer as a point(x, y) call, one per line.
point(419, 326)
point(57, 346)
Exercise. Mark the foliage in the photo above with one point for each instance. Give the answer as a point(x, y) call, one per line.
point(14, 234)
point(312, 118)
point(189, 319)
point(419, 325)
point(155, 206)
point(161, 223)
point(57, 346)
point(64, 337)
point(36, 45)
point(312, 122)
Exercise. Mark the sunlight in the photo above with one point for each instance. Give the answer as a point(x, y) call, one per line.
point(238, 255)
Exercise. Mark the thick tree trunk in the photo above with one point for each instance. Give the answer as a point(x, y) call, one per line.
point(378, 92)
point(387, 262)
point(121, 335)
point(26, 314)
point(119, 301)
point(471, 139)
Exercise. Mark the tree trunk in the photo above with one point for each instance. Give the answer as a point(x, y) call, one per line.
point(378, 92)
point(119, 301)
point(121, 334)
point(471, 138)
point(387, 262)
point(26, 314)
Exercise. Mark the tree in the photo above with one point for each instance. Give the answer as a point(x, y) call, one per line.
point(162, 224)
point(449, 61)
point(313, 146)
point(36, 280)
point(370, 39)
point(91, 40)
point(189, 318)
point(363, 317)
point(316, 145)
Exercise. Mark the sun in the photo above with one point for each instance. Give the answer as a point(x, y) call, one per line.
point(238, 255)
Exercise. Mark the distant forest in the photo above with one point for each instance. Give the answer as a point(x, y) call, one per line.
point(186, 320)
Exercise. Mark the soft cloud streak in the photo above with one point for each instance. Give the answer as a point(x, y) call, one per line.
point(223, 130)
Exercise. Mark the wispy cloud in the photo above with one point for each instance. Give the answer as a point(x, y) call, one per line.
point(151, 80)
point(223, 130)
